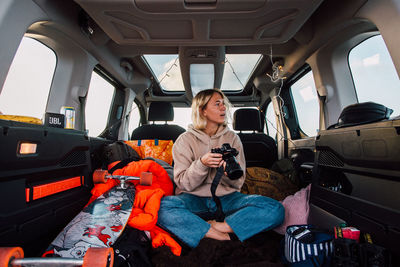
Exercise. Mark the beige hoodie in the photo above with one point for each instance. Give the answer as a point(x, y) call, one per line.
point(190, 175)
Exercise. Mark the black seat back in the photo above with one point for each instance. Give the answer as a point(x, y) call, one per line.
point(260, 149)
point(159, 111)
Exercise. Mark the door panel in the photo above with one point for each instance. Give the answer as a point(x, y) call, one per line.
point(357, 178)
point(39, 198)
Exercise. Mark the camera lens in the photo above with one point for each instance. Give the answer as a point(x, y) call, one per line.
point(235, 174)
point(233, 168)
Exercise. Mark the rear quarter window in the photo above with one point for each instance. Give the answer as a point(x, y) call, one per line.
point(98, 103)
point(27, 86)
point(305, 97)
point(374, 75)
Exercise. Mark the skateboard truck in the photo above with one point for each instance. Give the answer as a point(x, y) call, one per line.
point(101, 176)
point(14, 256)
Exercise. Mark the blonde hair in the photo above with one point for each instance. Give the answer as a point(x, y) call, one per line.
point(200, 102)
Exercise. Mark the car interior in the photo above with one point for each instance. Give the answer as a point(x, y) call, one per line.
point(314, 82)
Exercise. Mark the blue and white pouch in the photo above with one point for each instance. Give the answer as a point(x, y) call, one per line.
point(307, 246)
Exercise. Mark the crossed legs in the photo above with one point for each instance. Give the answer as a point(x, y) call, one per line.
point(177, 214)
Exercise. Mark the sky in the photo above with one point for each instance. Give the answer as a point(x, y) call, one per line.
point(29, 79)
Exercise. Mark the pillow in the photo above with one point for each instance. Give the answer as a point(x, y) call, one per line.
point(262, 181)
point(296, 209)
point(159, 149)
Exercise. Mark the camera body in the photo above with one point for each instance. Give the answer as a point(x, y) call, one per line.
point(229, 153)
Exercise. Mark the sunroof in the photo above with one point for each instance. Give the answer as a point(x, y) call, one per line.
point(237, 70)
point(167, 70)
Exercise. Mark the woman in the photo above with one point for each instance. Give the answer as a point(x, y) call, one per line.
point(194, 170)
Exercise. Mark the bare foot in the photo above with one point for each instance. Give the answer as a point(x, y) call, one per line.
point(211, 222)
point(215, 234)
point(221, 226)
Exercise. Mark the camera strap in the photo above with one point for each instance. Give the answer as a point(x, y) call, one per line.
point(219, 214)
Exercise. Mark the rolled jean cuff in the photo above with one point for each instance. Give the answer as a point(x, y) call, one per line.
point(195, 240)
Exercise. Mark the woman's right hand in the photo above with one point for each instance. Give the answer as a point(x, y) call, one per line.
point(212, 160)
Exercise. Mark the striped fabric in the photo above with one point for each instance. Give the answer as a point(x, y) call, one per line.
point(297, 251)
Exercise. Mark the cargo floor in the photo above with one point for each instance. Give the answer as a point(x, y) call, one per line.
point(260, 250)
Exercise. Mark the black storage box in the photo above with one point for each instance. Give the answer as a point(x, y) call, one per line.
point(361, 113)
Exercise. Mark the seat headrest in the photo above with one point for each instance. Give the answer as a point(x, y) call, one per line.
point(247, 119)
point(161, 111)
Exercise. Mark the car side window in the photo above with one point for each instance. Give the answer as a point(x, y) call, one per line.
point(26, 89)
point(305, 98)
point(134, 118)
point(374, 75)
point(98, 103)
point(271, 121)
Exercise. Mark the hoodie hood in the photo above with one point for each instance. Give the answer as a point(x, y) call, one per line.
point(203, 137)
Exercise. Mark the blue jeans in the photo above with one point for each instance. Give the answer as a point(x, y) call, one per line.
point(247, 215)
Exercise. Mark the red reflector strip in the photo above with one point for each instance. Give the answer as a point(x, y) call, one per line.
point(27, 191)
point(45, 190)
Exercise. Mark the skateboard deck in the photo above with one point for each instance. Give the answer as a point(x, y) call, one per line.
point(98, 225)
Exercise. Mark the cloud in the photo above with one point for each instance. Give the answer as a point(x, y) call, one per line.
point(372, 60)
point(308, 94)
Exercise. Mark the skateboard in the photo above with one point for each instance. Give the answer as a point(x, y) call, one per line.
point(94, 257)
point(101, 222)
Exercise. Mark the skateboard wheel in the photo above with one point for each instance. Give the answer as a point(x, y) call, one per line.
point(146, 178)
point(8, 254)
point(99, 176)
point(98, 257)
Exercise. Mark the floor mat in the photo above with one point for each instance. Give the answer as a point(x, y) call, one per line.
point(260, 250)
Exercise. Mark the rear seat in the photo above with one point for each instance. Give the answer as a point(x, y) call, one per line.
point(159, 111)
point(260, 149)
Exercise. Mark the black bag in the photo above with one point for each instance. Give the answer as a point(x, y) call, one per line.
point(346, 252)
point(132, 249)
point(119, 151)
point(350, 253)
point(362, 113)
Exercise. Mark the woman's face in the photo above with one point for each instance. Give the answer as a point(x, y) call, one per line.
point(215, 110)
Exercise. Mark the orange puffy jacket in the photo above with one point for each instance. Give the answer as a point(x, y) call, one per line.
point(144, 214)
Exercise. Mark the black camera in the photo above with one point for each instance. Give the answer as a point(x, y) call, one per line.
point(232, 167)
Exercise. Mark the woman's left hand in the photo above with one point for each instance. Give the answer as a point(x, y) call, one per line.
point(212, 160)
